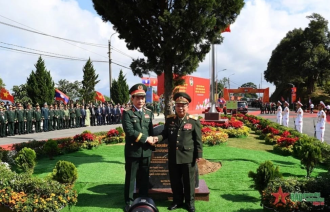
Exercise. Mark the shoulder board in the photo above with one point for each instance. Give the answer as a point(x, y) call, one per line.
point(170, 116)
point(147, 109)
point(127, 109)
point(193, 117)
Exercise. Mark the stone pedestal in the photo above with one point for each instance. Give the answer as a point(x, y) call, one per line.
point(212, 116)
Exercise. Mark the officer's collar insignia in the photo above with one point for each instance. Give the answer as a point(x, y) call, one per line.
point(133, 109)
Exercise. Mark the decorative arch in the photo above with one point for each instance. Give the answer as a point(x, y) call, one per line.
point(264, 91)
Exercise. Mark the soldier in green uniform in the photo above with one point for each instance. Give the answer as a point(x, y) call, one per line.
point(19, 116)
point(137, 124)
point(185, 148)
point(78, 115)
point(37, 118)
point(51, 118)
point(3, 122)
point(60, 117)
point(11, 120)
point(66, 117)
point(72, 111)
point(28, 116)
point(56, 117)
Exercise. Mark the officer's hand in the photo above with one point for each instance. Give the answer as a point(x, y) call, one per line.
point(197, 160)
point(150, 140)
point(155, 139)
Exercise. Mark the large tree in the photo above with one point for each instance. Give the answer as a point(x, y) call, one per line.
point(20, 94)
point(39, 85)
point(173, 35)
point(71, 89)
point(250, 85)
point(2, 84)
point(89, 81)
point(119, 89)
point(302, 57)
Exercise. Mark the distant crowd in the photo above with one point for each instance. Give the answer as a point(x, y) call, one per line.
point(22, 119)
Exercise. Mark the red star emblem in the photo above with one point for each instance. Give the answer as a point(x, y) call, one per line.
point(280, 195)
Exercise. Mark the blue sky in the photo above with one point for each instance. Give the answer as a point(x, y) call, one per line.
point(244, 53)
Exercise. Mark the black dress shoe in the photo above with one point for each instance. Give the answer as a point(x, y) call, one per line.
point(127, 207)
point(191, 208)
point(174, 206)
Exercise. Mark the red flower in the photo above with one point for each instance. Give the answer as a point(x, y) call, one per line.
point(112, 132)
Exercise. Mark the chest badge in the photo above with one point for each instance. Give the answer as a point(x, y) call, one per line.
point(187, 126)
point(146, 116)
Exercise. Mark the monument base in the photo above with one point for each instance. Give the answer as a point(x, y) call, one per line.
point(202, 193)
point(212, 116)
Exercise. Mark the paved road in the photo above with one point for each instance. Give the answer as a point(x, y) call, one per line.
point(308, 128)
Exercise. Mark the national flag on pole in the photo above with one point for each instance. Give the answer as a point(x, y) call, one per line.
point(150, 81)
point(282, 99)
point(227, 29)
point(60, 96)
point(5, 95)
point(99, 96)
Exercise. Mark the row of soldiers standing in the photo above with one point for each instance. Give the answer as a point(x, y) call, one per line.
point(21, 120)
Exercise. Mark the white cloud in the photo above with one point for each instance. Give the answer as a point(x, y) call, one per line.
point(245, 51)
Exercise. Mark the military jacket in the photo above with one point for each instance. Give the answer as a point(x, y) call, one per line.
point(37, 115)
point(45, 113)
point(72, 112)
point(78, 114)
point(56, 113)
point(28, 113)
point(184, 139)
point(3, 117)
point(10, 115)
point(19, 115)
point(61, 113)
point(137, 126)
point(51, 114)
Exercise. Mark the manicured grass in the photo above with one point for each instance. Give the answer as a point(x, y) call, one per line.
point(101, 173)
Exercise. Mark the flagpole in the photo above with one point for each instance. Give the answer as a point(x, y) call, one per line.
point(212, 109)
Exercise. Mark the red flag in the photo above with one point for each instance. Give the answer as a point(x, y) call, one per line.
point(227, 29)
point(150, 81)
point(99, 96)
point(282, 99)
point(5, 95)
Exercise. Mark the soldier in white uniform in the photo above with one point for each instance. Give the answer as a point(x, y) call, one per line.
point(286, 113)
point(279, 113)
point(299, 118)
point(320, 125)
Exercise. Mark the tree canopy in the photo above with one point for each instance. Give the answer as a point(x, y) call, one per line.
point(2, 84)
point(39, 85)
point(71, 89)
point(302, 57)
point(119, 89)
point(89, 81)
point(173, 35)
point(20, 94)
point(249, 85)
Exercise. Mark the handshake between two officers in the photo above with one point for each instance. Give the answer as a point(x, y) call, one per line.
point(152, 140)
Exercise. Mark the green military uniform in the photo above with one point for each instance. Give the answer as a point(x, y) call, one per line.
point(138, 127)
point(78, 116)
point(37, 118)
point(20, 119)
point(28, 116)
point(51, 118)
point(11, 121)
point(72, 112)
point(60, 118)
point(184, 139)
point(66, 118)
point(56, 118)
point(3, 122)
point(151, 108)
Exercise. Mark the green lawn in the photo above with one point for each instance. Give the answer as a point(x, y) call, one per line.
point(101, 173)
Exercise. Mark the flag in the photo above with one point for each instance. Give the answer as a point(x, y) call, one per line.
point(150, 81)
point(99, 96)
point(282, 99)
point(227, 29)
point(60, 96)
point(5, 95)
point(310, 101)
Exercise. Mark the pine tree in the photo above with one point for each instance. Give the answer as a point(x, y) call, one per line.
point(89, 81)
point(119, 89)
point(40, 85)
point(114, 91)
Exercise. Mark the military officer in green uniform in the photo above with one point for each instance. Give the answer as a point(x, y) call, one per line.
point(28, 116)
point(72, 112)
point(66, 117)
point(78, 115)
point(137, 124)
point(20, 119)
point(37, 118)
point(51, 118)
point(3, 122)
point(61, 117)
point(185, 148)
point(56, 117)
point(11, 120)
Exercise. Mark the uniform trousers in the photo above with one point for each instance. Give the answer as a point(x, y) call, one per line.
point(320, 135)
point(285, 122)
point(11, 128)
point(132, 166)
point(279, 120)
point(299, 128)
point(182, 178)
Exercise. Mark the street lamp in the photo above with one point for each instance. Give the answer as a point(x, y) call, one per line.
point(229, 80)
point(216, 85)
point(110, 71)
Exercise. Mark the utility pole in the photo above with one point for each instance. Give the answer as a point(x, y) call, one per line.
point(110, 71)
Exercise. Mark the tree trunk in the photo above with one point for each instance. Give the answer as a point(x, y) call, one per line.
point(310, 85)
point(168, 88)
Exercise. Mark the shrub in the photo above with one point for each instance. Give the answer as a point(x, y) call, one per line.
point(283, 150)
point(265, 173)
point(214, 138)
point(241, 132)
point(51, 148)
point(120, 130)
point(37, 146)
point(26, 160)
point(65, 172)
point(309, 155)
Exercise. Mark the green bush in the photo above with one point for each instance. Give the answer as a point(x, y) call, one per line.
point(120, 130)
point(51, 148)
point(283, 150)
point(309, 155)
point(86, 131)
point(65, 172)
point(37, 146)
point(26, 160)
point(265, 173)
